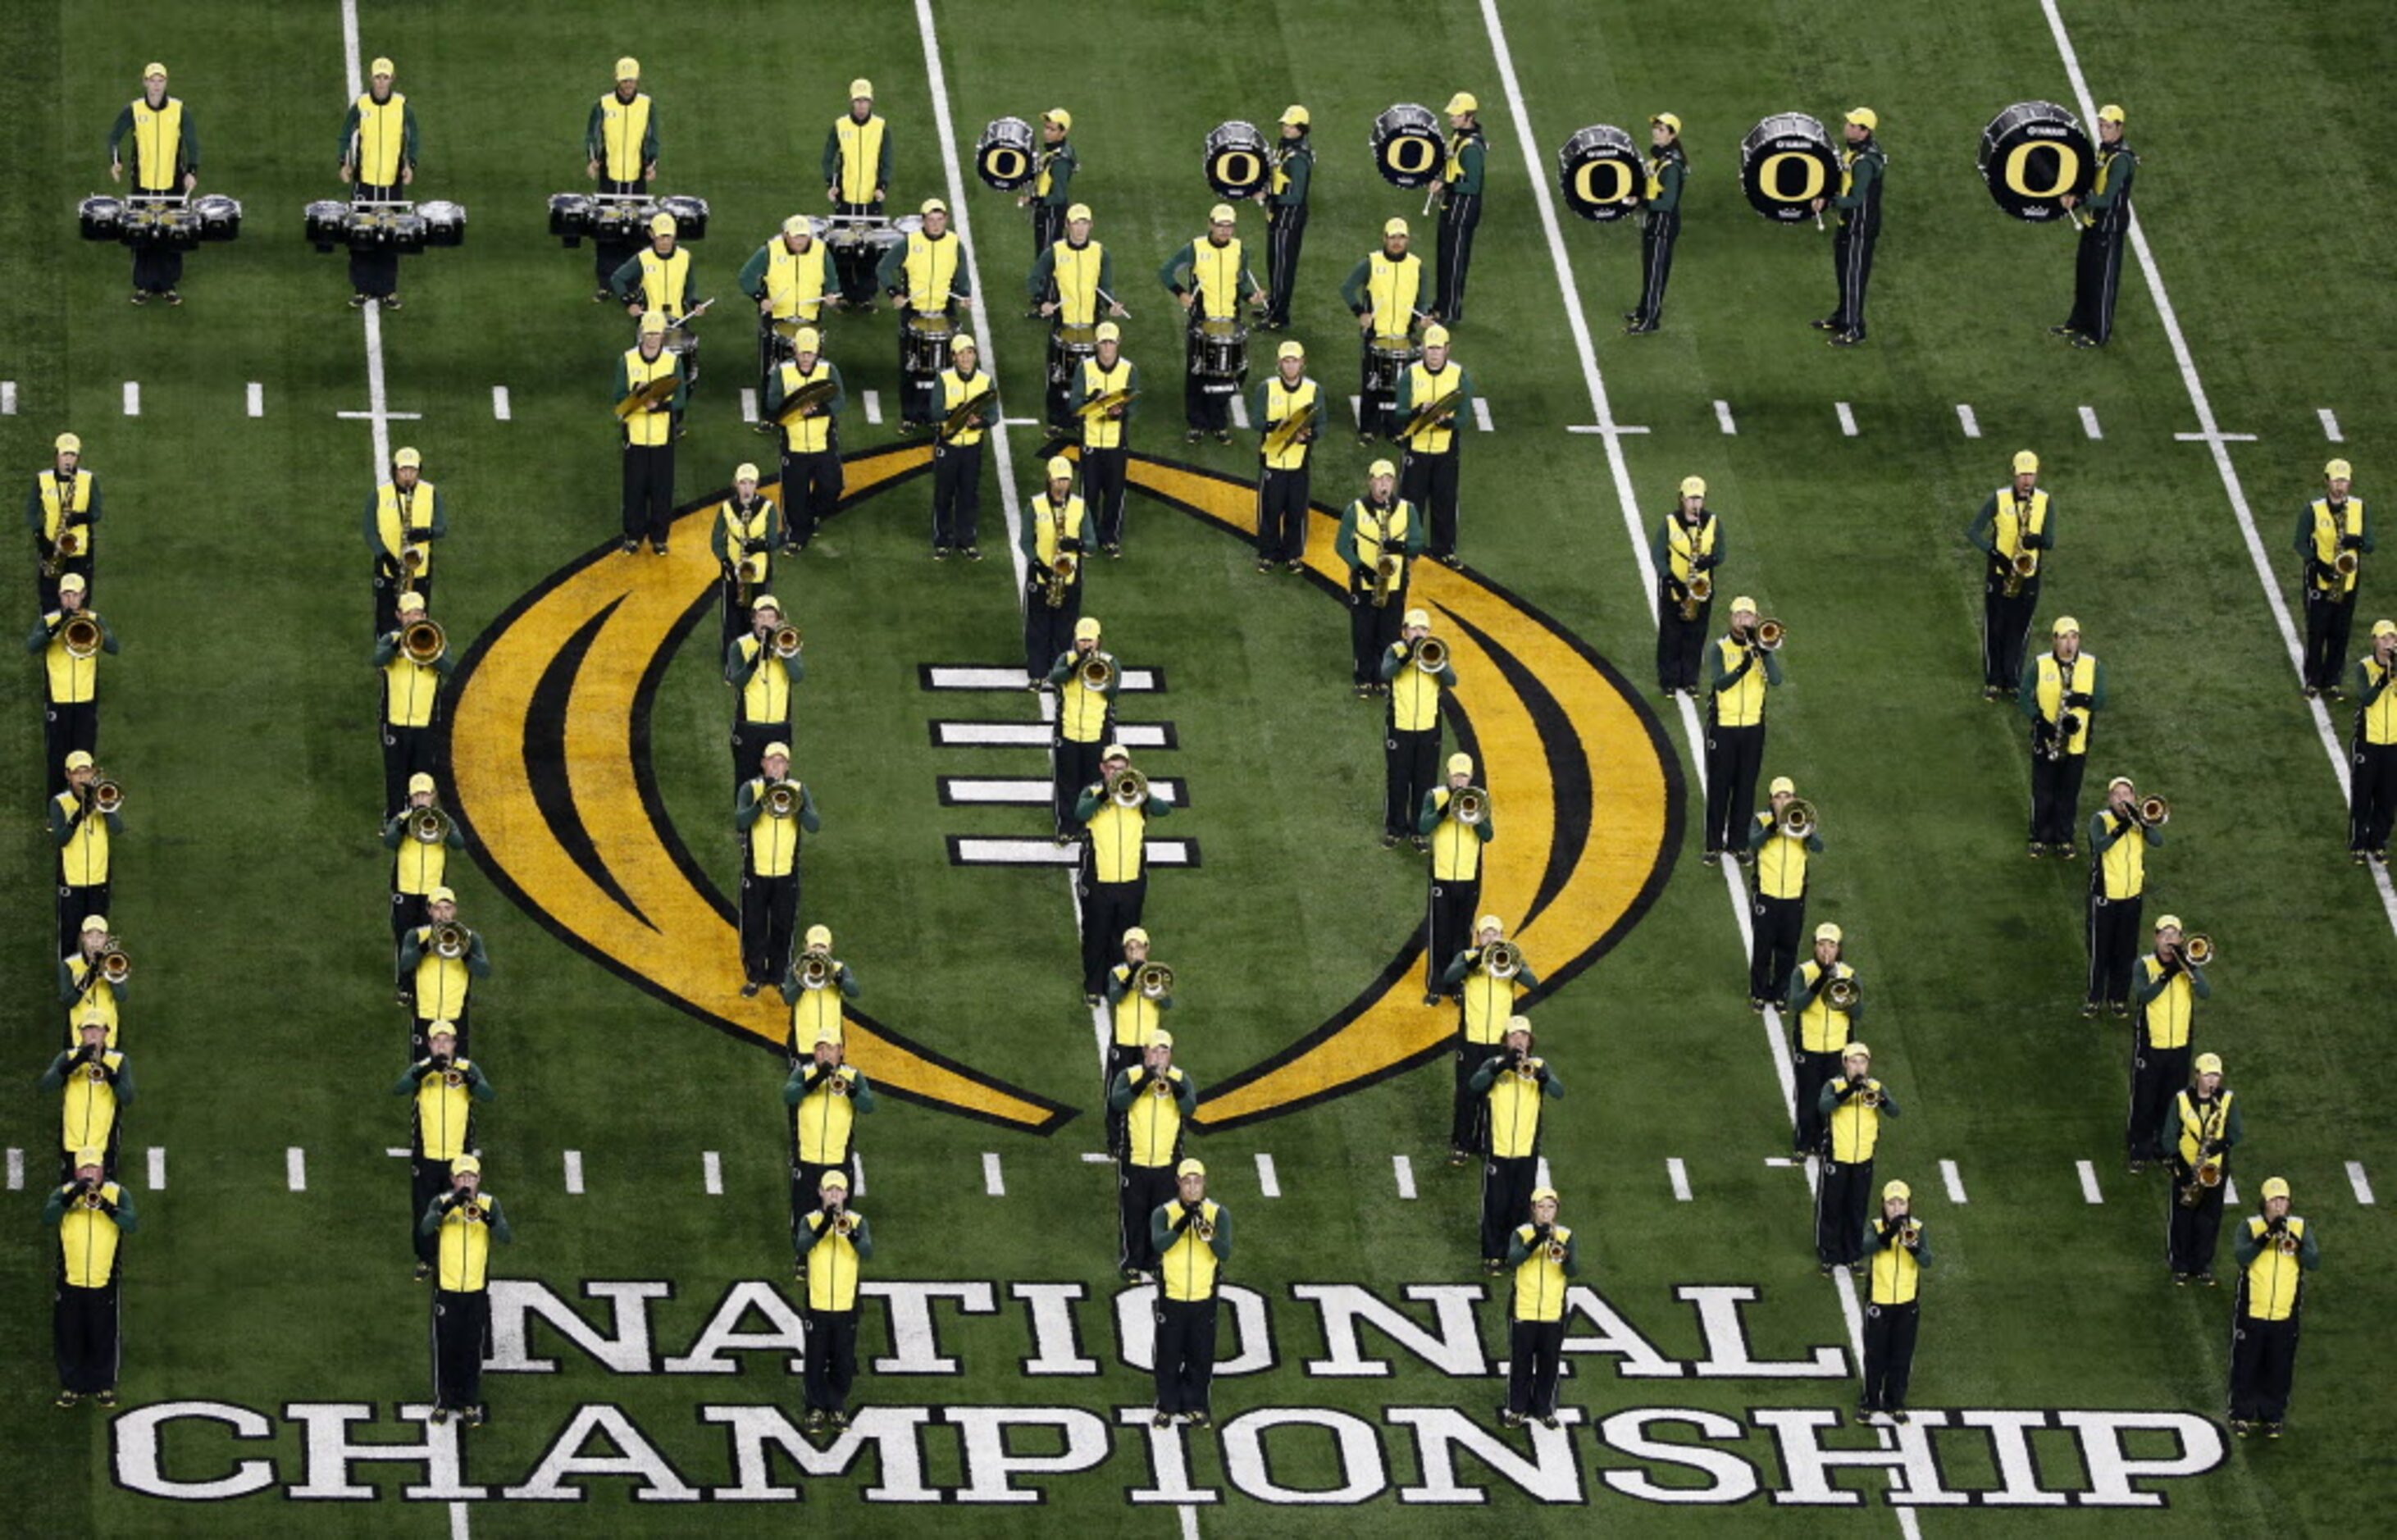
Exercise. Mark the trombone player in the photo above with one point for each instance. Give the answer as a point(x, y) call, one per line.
point(765, 666)
point(1827, 1001)
point(2120, 833)
point(1741, 665)
point(1053, 547)
point(1378, 534)
point(64, 498)
point(1779, 845)
point(2061, 691)
point(1852, 1108)
point(2372, 787)
point(441, 958)
point(1139, 993)
point(2015, 530)
point(1086, 679)
point(83, 821)
point(413, 657)
point(404, 516)
point(2206, 1124)
point(815, 989)
point(421, 836)
point(2170, 980)
point(1487, 978)
point(2334, 536)
point(93, 978)
point(769, 812)
point(1459, 820)
point(1416, 671)
point(1688, 548)
point(1114, 811)
point(70, 640)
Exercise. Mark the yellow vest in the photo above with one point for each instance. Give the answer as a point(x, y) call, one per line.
point(1102, 432)
point(408, 691)
point(2051, 688)
point(395, 526)
point(2198, 1125)
point(823, 1122)
point(1780, 865)
point(1082, 711)
point(1743, 705)
point(1515, 1099)
point(1136, 1016)
point(98, 1001)
point(1540, 1284)
point(2124, 867)
point(1423, 387)
point(956, 391)
point(2380, 716)
point(1820, 1028)
point(665, 281)
point(2274, 1282)
point(1680, 546)
point(767, 696)
point(1187, 1268)
point(158, 135)
point(83, 860)
point(445, 1113)
point(1378, 528)
point(1077, 268)
point(419, 867)
point(382, 138)
point(1118, 838)
point(738, 529)
point(648, 429)
point(2012, 524)
point(1154, 1119)
point(72, 679)
point(623, 126)
point(805, 435)
point(1895, 1273)
point(1215, 273)
point(773, 842)
point(861, 157)
point(1414, 697)
point(932, 267)
point(466, 1247)
point(1390, 286)
point(2166, 1015)
point(1454, 169)
point(1455, 848)
point(1855, 1128)
point(817, 1012)
point(1053, 525)
point(90, 1111)
point(832, 1267)
point(1489, 1003)
point(441, 983)
point(2328, 526)
point(1280, 401)
point(88, 1241)
point(54, 512)
point(794, 280)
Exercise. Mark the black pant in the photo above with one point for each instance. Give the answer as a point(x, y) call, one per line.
point(1457, 218)
point(1285, 234)
point(1813, 1071)
point(1735, 757)
point(831, 1359)
point(75, 905)
point(386, 595)
point(2096, 276)
point(1103, 490)
point(1851, 254)
point(1120, 1057)
point(648, 493)
point(417, 1046)
point(2005, 626)
point(1108, 910)
point(1073, 765)
point(1410, 765)
point(1889, 1354)
point(608, 255)
point(1048, 631)
point(956, 496)
point(1377, 402)
point(1206, 401)
point(811, 488)
point(2157, 1076)
point(406, 752)
point(1372, 628)
point(749, 740)
point(1468, 1117)
point(2113, 943)
point(733, 609)
point(1780, 927)
point(807, 1196)
point(853, 265)
point(1281, 515)
point(1185, 1354)
point(1658, 231)
point(83, 1328)
point(1840, 1211)
point(156, 269)
point(2192, 1227)
point(1429, 482)
point(769, 908)
point(2055, 796)
point(2263, 1356)
point(427, 1180)
point(1448, 927)
point(1535, 1354)
point(66, 727)
point(2328, 620)
point(1506, 1184)
point(461, 1329)
point(2371, 799)
point(1047, 229)
point(408, 912)
point(1140, 1192)
point(375, 273)
point(1679, 643)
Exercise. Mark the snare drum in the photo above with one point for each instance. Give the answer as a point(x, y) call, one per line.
point(141, 224)
point(1407, 146)
point(1219, 351)
point(689, 216)
point(924, 345)
point(328, 224)
point(1236, 167)
point(1784, 164)
point(622, 221)
point(102, 218)
point(219, 217)
point(1067, 347)
point(1004, 156)
point(2032, 154)
point(1600, 173)
point(571, 216)
point(178, 227)
point(408, 231)
point(1388, 355)
point(445, 222)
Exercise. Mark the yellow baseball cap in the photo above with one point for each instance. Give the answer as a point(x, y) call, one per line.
point(2110, 113)
point(1294, 115)
point(1865, 118)
point(1462, 103)
point(410, 602)
point(380, 66)
point(2065, 626)
point(78, 760)
point(95, 922)
point(933, 205)
point(818, 935)
point(1160, 1038)
point(89, 1157)
point(776, 751)
point(860, 86)
point(1460, 764)
point(1544, 1195)
point(797, 225)
point(1293, 348)
point(1488, 922)
point(1435, 336)
point(1220, 214)
point(1079, 211)
point(441, 895)
point(465, 1164)
point(2168, 922)
point(1060, 468)
point(830, 1180)
point(1519, 1023)
point(1061, 117)
point(1190, 1168)
point(744, 472)
point(766, 601)
point(2275, 1186)
point(444, 1029)
point(2025, 463)
point(1896, 1189)
point(405, 460)
point(1110, 332)
point(68, 443)
point(806, 339)
point(964, 344)
point(1827, 931)
point(1855, 1051)
point(662, 224)
point(1668, 120)
point(420, 781)
point(1113, 751)
point(1782, 784)
point(653, 322)
point(628, 68)
point(72, 584)
point(2384, 628)
point(1394, 225)
point(1382, 468)
point(2121, 781)
point(1743, 602)
point(1693, 486)
point(1086, 629)
point(2337, 470)
point(1136, 934)
point(2209, 1063)
point(153, 71)
point(1418, 617)
point(826, 1035)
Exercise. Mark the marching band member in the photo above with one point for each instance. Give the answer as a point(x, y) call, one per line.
point(1115, 864)
point(767, 710)
point(1135, 1015)
point(1430, 456)
point(1460, 203)
point(770, 826)
point(1154, 1099)
point(2206, 1122)
point(1084, 713)
point(445, 1086)
point(1284, 198)
point(1513, 1082)
point(649, 434)
point(926, 275)
point(419, 865)
point(1282, 480)
point(1068, 276)
point(1192, 1235)
point(441, 979)
point(1779, 854)
point(620, 148)
point(1541, 1253)
point(81, 829)
point(1456, 843)
point(1410, 748)
point(166, 165)
point(1381, 292)
point(743, 538)
point(464, 1222)
point(411, 691)
point(403, 518)
point(2168, 987)
point(1377, 528)
point(838, 1239)
point(1740, 668)
point(1862, 166)
point(71, 678)
point(63, 497)
point(2333, 529)
point(1852, 1108)
point(2015, 530)
point(826, 1097)
point(1660, 221)
point(91, 1215)
point(1054, 544)
point(1486, 1008)
point(83, 987)
point(1104, 457)
point(96, 1083)
point(791, 278)
point(2372, 787)
point(2105, 219)
point(1688, 542)
point(656, 280)
point(1824, 1030)
point(2118, 879)
point(1208, 277)
point(379, 150)
point(856, 176)
point(2063, 680)
point(816, 1007)
point(957, 457)
point(811, 473)
point(1892, 1314)
point(2274, 1249)
point(1051, 192)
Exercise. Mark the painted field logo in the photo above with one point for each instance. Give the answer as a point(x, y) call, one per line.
point(549, 767)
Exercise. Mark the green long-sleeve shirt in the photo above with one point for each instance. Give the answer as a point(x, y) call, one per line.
point(776, 395)
point(372, 529)
point(1298, 164)
point(435, 1210)
point(1063, 164)
point(187, 140)
point(409, 143)
point(1518, 1252)
point(1983, 531)
point(479, 1085)
point(2144, 989)
point(1044, 270)
point(1463, 963)
point(1839, 1089)
point(832, 160)
point(752, 277)
point(1487, 1076)
point(1344, 543)
point(2028, 700)
point(1470, 157)
point(720, 539)
point(70, 992)
point(126, 1220)
point(2244, 1247)
point(477, 960)
point(594, 140)
point(1173, 1216)
point(1427, 817)
point(55, 1078)
point(1719, 678)
point(1178, 273)
point(748, 807)
point(64, 824)
point(625, 284)
point(1878, 1239)
point(808, 1074)
point(1802, 994)
point(34, 512)
point(891, 271)
point(1454, 377)
point(1079, 398)
point(623, 386)
point(2102, 836)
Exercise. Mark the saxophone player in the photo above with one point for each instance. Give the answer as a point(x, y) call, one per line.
point(2015, 530)
point(1689, 545)
point(1053, 547)
point(1898, 1255)
point(64, 498)
point(1378, 534)
point(2334, 536)
point(2206, 1124)
point(2061, 691)
point(403, 518)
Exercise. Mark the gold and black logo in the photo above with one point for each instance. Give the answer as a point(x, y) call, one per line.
point(2034, 154)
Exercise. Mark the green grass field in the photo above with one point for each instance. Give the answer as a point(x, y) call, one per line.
point(240, 718)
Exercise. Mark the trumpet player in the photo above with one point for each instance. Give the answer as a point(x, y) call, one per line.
point(70, 640)
point(1740, 668)
point(2060, 692)
point(1086, 678)
point(64, 498)
point(420, 864)
point(1289, 411)
point(84, 987)
point(96, 1084)
point(812, 480)
point(2372, 785)
point(2168, 984)
point(814, 988)
point(404, 516)
point(1688, 547)
point(2274, 1249)
point(444, 1086)
point(1898, 1256)
point(413, 657)
point(769, 813)
point(464, 1222)
point(2334, 536)
point(1541, 1253)
point(1827, 1001)
point(1054, 548)
point(1100, 405)
point(1458, 820)
point(2206, 1124)
point(650, 433)
point(1378, 534)
point(1414, 675)
point(2014, 530)
point(1114, 813)
point(743, 538)
point(83, 820)
point(1138, 997)
point(92, 1215)
point(826, 1097)
point(957, 452)
point(1192, 1237)
point(1852, 1107)
point(838, 1239)
point(1157, 1100)
point(2120, 836)
point(1779, 844)
point(441, 960)
point(765, 667)
point(1514, 1083)
point(1433, 393)
point(1487, 978)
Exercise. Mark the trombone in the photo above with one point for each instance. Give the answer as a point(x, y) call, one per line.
point(80, 635)
point(1843, 992)
point(1769, 635)
point(115, 966)
point(2154, 812)
point(1869, 1096)
point(424, 642)
point(782, 799)
point(1098, 671)
point(1470, 804)
point(1431, 655)
point(1502, 960)
point(428, 826)
point(1155, 981)
point(1799, 819)
point(1387, 568)
point(1130, 789)
point(106, 795)
point(2197, 951)
point(786, 641)
point(450, 942)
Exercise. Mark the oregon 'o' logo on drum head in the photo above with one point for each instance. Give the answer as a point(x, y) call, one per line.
point(1600, 174)
point(1003, 154)
point(2032, 154)
point(1236, 160)
point(1784, 164)
point(1407, 147)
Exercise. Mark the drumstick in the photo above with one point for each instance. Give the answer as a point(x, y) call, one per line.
point(1114, 302)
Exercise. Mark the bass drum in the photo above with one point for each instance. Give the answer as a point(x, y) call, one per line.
point(1407, 146)
point(2032, 154)
point(1784, 164)
point(219, 217)
point(571, 216)
point(328, 224)
point(1600, 173)
point(1236, 160)
point(689, 216)
point(1004, 156)
point(445, 222)
point(102, 218)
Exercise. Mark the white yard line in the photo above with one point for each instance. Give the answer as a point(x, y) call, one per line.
point(157, 1168)
point(1955, 1179)
point(381, 416)
point(1035, 735)
point(459, 1524)
point(2216, 437)
point(1965, 420)
point(1847, 419)
point(748, 404)
point(500, 407)
point(1679, 1175)
point(1357, 409)
point(1404, 1170)
point(1239, 412)
point(857, 1175)
point(2330, 425)
point(133, 398)
point(1543, 1179)
point(2089, 422)
point(981, 851)
point(7, 398)
point(574, 1172)
point(1097, 1157)
point(295, 1169)
point(254, 400)
point(711, 1170)
point(993, 1182)
point(2089, 1193)
point(398, 1152)
point(16, 1169)
point(1481, 414)
point(1130, 681)
point(1027, 791)
point(2355, 1178)
point(1722, 418)
point(874, 408)
point(2231, 1193)
point(1267, 1182)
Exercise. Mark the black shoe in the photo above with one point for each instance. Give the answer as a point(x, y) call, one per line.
point(1459, 1158)
point(108, 1397)
point(1196, 1419)
point(389, 301)
point(1364, 692)
point(1493, 1266)
point(838, 1420)
point(1640, 328)
point(749, 990)
point(2088, 1009)
point(1263, 567)
point(1431, 997)
point(1113, 549)
point(2068, 851)
point(1389, 841)
point(1631, 315)
point(601, 296)
point(973, 553)
point(1034, 315)
point(1989, 692)
point(140, 299)
point(2085, 340)
point(2271, 1430)
point(1365, 441)
point(66, 1398)
point(2238, 1427)
point(1423, 844)
point(2121, 1008)
point(1093, 1000)
point(2381, 855)
point(1223, 435)
point(2137, 1166)
point(1064, 840)
point(1713, 854)
point(1824, 1269)
point(631, 547)
point(440, 1415)
point(1845, 339)
point(423, 1271)
point(1746, 858)
point(2308, 691)
point(813, 1422)
point(1898, 1413)
point(1190, 437)
point(1509, 1419)
point(475, 1416)
point(1828, 323)
point(2037, 849)
point(1163, 1419)
point(173, 298)
point(657, 548)
point(940, 553)
point(2063, 329)
point(1756, 1004)
point(1547, 1419)
point(1864, 1412)
point(799, 1271)
point(1296, 568)
point(1452, 561)
point(358, 302)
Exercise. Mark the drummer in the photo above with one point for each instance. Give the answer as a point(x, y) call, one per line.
point(379, 154)
point(166, 162)
point(857, 175)
point(620, 147)
point(925, 276)
point(791, 277)
point(1210, 277)
point(1068, 279)
point(1380, 291)
point(1051, 200)
point(657, 282)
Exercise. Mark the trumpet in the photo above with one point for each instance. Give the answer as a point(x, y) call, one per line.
point(453, 1078)
point(2287, 1244)
point(94, 1071)
point(106, 795)
point(1769, 635)
point(815, 970)
point(1431, 655)
point(1799, 819)
point(80, 635)
point(424, 642)
point(2020, 571)
point(1470, 806)
point(1869, 1096)
point(782, 799)
point(1843, 992)
point(1387, 568)
point(67, 546)
point(450, 942)
point(115, 966)
point(1909, 1232)
point(1098, 671)
point(428, 826)
point(2197, 951)
point(1156, 981)
point(2155, 810)
point(845, 1224)
point(1555, 1251)
point(1060, 577)
point(1129, 790)
point(1502, 960)
point(1204, 1228)
point(786, 641)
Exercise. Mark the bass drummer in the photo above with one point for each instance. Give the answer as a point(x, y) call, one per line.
point(165, 162)
point(1209, 278)
point(1068, 279)
point(1380, 291)
point(924, 277)
point(791, 277)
